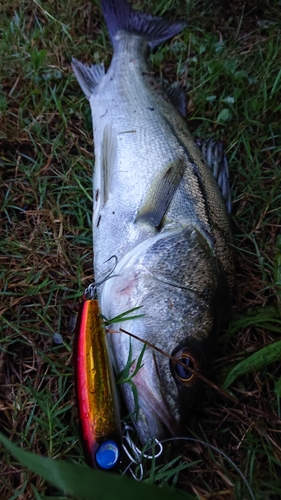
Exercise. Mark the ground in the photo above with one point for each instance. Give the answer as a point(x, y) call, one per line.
point(228, 62)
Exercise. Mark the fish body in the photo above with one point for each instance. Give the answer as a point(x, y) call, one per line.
point(158, 208)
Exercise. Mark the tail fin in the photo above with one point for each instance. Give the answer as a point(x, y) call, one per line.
point(119, 15)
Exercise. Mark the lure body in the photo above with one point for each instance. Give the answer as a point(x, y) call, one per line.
point(96, 397)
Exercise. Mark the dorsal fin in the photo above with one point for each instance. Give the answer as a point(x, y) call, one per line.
point(213, 154)
point(176, 94)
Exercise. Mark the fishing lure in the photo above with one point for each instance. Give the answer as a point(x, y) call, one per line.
point(95, 390)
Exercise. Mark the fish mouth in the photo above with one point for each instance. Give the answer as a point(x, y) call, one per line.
point(156, 420)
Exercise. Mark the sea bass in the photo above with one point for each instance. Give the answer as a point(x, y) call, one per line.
point(159, 210)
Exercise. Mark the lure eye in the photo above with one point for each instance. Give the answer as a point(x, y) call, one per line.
point(186, 358)
point(108, 455)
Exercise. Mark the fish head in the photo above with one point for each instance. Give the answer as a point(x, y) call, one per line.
point(177, 281)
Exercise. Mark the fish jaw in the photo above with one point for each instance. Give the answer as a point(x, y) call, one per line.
point(152, 415)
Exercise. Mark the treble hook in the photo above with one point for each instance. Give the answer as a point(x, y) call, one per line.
point(90, 290)
point(135, 455)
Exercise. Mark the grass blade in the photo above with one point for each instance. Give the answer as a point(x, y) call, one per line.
point(255, 362)
point(84, 483)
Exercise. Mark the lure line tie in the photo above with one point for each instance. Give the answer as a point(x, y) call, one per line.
point(90, 291)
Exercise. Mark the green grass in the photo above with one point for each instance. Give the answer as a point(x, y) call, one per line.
point(228, 60)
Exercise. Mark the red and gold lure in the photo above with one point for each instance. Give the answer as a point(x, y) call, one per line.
point(95, 390)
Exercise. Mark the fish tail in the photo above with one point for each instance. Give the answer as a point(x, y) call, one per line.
point(119, 15)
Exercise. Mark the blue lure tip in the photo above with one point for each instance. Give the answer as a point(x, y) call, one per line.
point(107, 455)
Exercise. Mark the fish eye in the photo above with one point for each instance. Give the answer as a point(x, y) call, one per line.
point(186, 358)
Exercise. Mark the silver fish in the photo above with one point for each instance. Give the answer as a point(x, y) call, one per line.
point(158, 208)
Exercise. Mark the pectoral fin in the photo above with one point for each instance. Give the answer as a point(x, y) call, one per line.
point(160, 196)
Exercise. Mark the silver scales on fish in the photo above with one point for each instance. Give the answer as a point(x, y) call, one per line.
point(161, 207)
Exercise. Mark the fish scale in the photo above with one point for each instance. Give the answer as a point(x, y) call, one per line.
point(157, 208)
